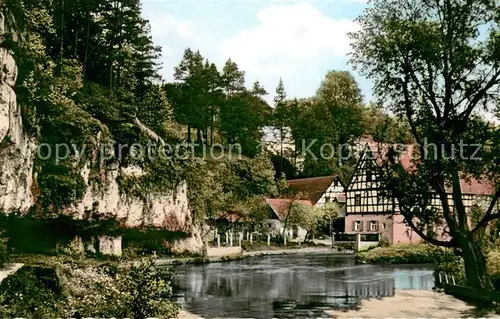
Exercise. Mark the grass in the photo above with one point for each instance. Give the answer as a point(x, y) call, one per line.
point(262, 246)
point(402, 254)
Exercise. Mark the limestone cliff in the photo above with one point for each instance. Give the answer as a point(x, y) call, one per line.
point(167, 210)
point(16, 149)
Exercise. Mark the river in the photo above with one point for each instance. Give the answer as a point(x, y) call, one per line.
point(290, 286)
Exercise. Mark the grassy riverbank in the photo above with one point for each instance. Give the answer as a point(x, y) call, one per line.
point(403, 254)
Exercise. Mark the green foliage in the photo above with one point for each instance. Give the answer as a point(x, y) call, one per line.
point(4, 252)
point(230, 186)
point(72, 286)
point(452, 266)
point(32, 292)
point(333, 116)
point(437, 64)
point(384, 127)
point(155, 111)
point(405, 254)
point(59, 186)
point(148, 289)
point(312, 218)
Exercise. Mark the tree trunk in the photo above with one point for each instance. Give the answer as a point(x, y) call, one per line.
point(61, 49)
point(198, 136)
point(211, 134)
point(475, 263)
point(86, 50)
point(205, 136)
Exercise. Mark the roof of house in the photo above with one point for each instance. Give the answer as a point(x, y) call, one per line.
point(312, 188)
point(380, 151)
point(232, 217)
point(281, 206)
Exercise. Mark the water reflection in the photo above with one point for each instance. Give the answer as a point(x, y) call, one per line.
point(290, 285)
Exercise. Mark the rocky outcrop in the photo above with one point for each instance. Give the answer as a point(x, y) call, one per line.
point(166, 210)
point(16, 149)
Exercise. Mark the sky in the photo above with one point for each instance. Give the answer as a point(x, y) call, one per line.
point(298, 41)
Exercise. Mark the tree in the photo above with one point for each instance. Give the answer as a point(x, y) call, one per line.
point(324, 122)
point(385, 128)
point(281, 118)
point(196, 103)
point(241, 117)
point(437, 63)
point(258, 89)
point(155, 111)
point(318, 216)
point(233, 79)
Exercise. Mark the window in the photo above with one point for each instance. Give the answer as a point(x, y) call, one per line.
point(380, 199)
point(357, 200)
point(357, 226)
point(373, 225)
point(327, 199)
point(336, 183)
point(368, 176)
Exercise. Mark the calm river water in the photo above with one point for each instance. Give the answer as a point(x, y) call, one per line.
point(289, 286)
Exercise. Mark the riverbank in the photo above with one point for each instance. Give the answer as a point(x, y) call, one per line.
point(403, 254)
point(245, 254)
point(412, 304)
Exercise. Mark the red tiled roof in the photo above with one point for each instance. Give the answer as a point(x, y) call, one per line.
point(281, 207)
point(312, 188)
point(471, 186)
point(477, 187)
point(232, 217)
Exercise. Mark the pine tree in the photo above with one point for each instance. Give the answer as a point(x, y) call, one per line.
point(233, 79)
point(280, 116)
point(155, 111)
point(280, 94)
point(258, 89)
point(191, 73)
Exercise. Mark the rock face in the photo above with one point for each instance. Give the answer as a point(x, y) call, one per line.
point(16, 149)
point(167, 210)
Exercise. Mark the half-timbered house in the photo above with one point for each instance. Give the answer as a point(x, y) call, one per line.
point(315, 191)
point(368, 211)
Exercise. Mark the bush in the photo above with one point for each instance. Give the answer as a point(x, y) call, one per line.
point(32, 292)
point(404, 254)
point(451, 266)
point(4, 253)
point(72, 286)
point(147, 288)
point(493, 259)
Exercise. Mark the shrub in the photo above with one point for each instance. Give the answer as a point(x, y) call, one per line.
point(404, 254)
point(147, 288)
point(493, 259)
point(451, 266)
point(32, 292)
point(73, 286)
point(4, 253)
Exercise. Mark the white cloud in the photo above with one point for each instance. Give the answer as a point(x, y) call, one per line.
point(164, 25)
point(287, 39)
point(290, 40)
